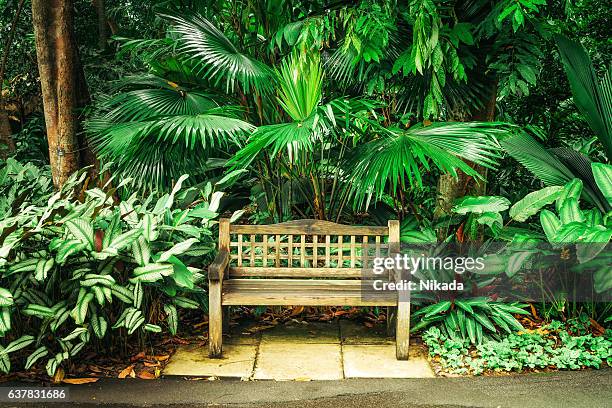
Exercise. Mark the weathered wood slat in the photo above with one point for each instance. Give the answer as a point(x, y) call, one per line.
point(297, 272)
point(309, 227)
point(310, 298)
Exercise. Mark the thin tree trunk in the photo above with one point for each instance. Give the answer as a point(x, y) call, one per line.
point(102, 24)
point(6, 140)
point(55, 50)
point(451, 188)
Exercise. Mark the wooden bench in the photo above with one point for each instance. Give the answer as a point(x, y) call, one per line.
point(305, 262)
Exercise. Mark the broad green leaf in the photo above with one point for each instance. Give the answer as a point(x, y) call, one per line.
point(82, 230)
point(172, 318)
point(177, 249)
point(185, 303)
point(152, 328)
point(152, 272)
point(6, 298)
point(20, 343)
point(38, 311)
point(603, 177)
point(533, 202)
point(550, 224)
point(570, 212)
point(35, 356)
point(573, 189)
point(481, 204)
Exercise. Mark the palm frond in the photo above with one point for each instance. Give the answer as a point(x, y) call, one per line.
point(547, 166)
point(400, 157)
point(155, 152)
point(291, 137)
point(593, 99)
point(300, 85)
point(216, 57)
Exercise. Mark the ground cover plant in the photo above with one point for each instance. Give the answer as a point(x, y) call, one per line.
point(556, 345)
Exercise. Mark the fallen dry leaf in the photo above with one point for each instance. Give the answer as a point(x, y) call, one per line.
point(161, 357)
point(138, 356)
point(145, 375)
point(126, 371)
point(80, 380)
point(148, 364)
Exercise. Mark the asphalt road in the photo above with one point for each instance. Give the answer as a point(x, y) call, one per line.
point(589, 389)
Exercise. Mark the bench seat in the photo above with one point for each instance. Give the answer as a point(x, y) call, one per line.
point(304, 292)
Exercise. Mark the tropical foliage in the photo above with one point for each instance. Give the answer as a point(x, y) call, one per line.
point(81, 268)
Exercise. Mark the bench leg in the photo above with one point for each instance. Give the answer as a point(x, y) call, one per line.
point(402, 330)
point(215, 320)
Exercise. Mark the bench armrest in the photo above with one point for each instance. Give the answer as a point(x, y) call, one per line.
point(216, 270)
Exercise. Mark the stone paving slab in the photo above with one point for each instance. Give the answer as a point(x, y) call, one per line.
point(378, 361)
point(298, 361)
point(355, 333)
point(303, 332)
point(238, 361)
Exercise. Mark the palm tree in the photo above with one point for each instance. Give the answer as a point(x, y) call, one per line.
point(206, 96)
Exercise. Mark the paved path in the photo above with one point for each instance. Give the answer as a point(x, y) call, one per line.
point(578, 389)
point(303, 351)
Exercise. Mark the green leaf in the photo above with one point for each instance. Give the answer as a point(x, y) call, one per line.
point(99, 326)
point(570, 212)
point(92, 279)
point(42, 269)
point(20, 343)
point(141, 250)
point(572, 189)
point(434, 309)
point(125, 239)
point(550, 224)
point(603, 177)
point(138, 294)
point(185, 303)
point(122, 293)
point(177, 249)
point(82, 230)
point(68, 248)
point(172, 318)
point(6, 298)
point(152, 272)
point(152, 328)
point(38, 310)
point(481, 204)
point(35, 356)
point(533, 202)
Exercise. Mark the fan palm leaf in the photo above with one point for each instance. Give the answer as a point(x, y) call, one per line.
point(399, 157)
point(161, 149)
point(216, 57)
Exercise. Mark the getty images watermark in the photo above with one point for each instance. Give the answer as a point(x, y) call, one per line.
point(402, 264)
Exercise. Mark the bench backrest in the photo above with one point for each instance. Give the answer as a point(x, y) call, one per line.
point(305, 248)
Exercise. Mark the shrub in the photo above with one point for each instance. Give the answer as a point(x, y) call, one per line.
point(86, 268)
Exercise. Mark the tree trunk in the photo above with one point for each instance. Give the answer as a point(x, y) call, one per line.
point(102, 24)
point(7, 145)
point(62, 83)
point(451, 188)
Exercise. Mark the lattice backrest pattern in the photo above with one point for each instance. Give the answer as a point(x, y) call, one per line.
point(306, 248)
